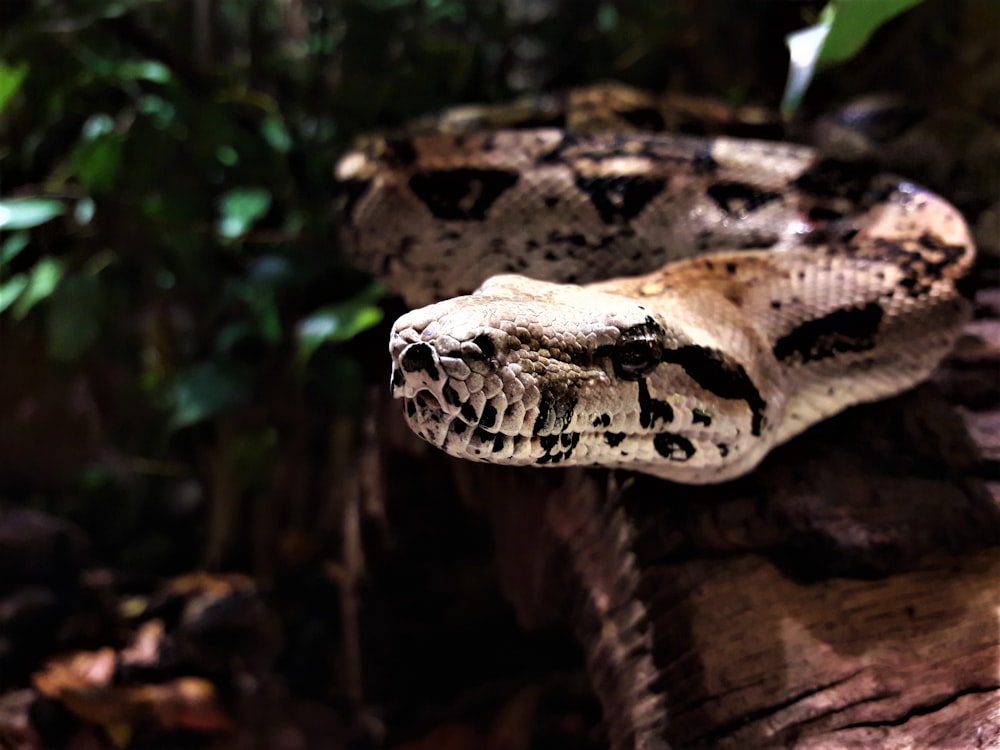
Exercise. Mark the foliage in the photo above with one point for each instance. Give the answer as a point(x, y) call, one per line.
point(844, 27)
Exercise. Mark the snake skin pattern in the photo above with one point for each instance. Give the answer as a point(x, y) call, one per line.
point(774, 289)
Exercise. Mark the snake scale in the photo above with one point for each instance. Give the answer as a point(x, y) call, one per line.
point(667, 304)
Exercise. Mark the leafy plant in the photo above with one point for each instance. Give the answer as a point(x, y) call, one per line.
point(843, 28)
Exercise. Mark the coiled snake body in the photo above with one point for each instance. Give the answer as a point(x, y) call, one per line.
point(775, 290)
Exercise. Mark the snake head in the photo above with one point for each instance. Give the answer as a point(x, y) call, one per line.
point(526, 372)
point(487, 376)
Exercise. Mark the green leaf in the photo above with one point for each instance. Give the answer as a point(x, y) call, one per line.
point(276, 134)
point(231, 335)
point(240, 208)
point(844, 27)
point(43, 279)
point(162, 112)
point(11, 78)
point(11, 289)
point(12, 247)
point(97, 162)
point(144, 70)
point(227, 155)
point(338, 322)
point(96, 126)
point(73, 323)
point(261, 300)
point(84, 211)
point(24, 213)
point(204, 391)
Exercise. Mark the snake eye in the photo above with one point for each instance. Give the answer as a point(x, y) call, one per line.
point(636, 356)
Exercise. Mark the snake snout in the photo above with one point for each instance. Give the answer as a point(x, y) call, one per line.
point(417, 369)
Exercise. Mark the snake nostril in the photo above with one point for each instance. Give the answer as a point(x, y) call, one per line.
point(419, 358)
point(486, 345)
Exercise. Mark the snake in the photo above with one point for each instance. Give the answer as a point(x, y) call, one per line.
point(668, 304)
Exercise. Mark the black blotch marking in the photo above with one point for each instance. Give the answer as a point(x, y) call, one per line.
point(557, 447)
point(644, 118)
point(398, 378)
point(651, 409)
point(484, 437)
point(574, 238)
point(620, 199)
point(673, 447)
point(704, 163)
point(489, 417)
point(921, 271)
point(731, 269)
point(775, 304)
point(542, 118)
point(700, 417)
point(450, 395)
point(833, 178)
point(406, 245)
point(718, 374)
point(458, 427)
point(551, 201)
point(567, 141)
point(463, 194)
point(411, 409)
point(821, 214)
point(613, 438)
point(602, 420)
point(931, 242)
point(723, 449)
point(498, 443)
point(739, 197)
point(846, 330)
point(556, 407)
point(486, 346)
point(419, 357)
point(468, 411)
point(399, 152)
point(350, 192)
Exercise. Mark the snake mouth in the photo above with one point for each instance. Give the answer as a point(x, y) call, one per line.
point(469, 404)
point(462, 432)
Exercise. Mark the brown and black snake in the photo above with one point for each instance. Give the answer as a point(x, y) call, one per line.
point(668, 304)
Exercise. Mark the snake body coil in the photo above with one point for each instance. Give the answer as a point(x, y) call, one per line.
point(775, 290)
